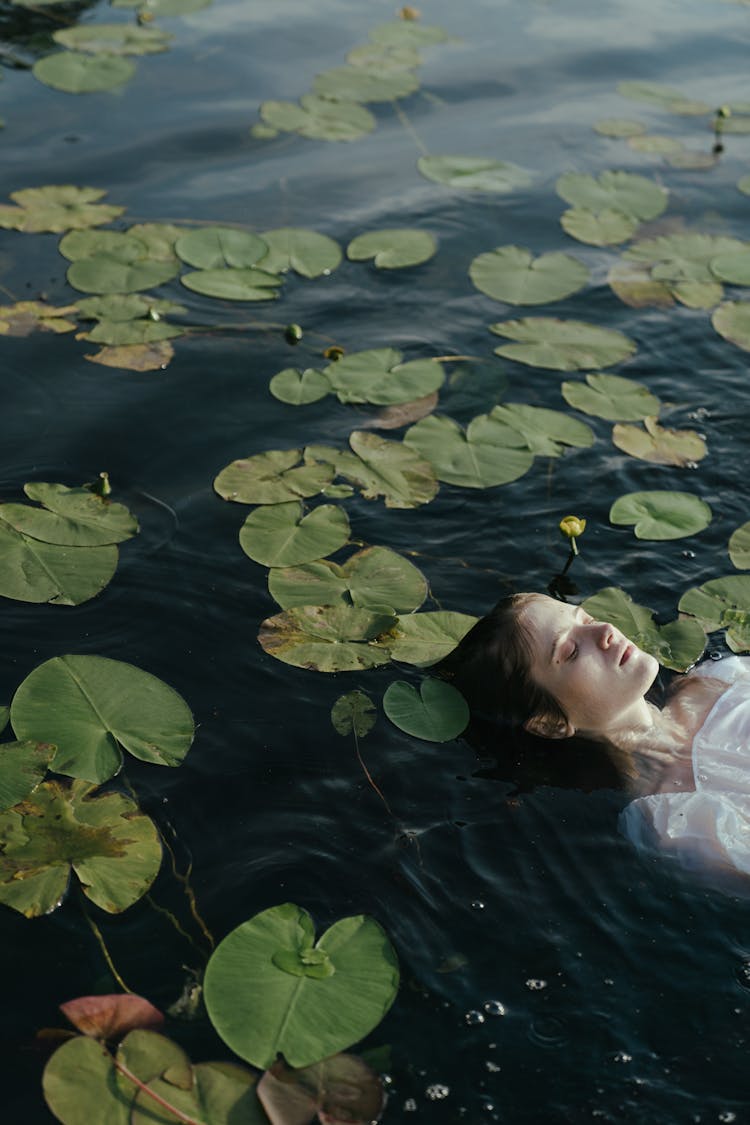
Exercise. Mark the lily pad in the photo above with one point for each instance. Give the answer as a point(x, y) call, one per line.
point(381, 57)
point(102, 274)
point(341, 1088)
point(562, 345)
point(390, 469)
point(112, 243)
point(105, 840)
point(408, 33)
point(474, 173)
point(739, 547)
point(158, 238)
point(743, 185)
point(157, 8)
point(271, 478)
point(659, 445)
point(353, 713)
point(598, 228)
point(425, 638)
point(732, 321)
point(656, 143)
point(664, 97)
point(722, 603)
point(436, 713)
point(661, 514)
point(392, 249)
point(77, 73)
point(697, 294)
point(233, 284)
point(358, 84)
point(734, 268)
point(114, 38)
point(211, 248)
point(22, 767)
point(512, 274)
point(126, 333)
point(333, 638)
point(683, 257)
point(691, 159)
point(279, 534)
point(618, 191)
point(71, 517)
point(25, 317)
point(378, 376)
point(136, 357)
point(619, 127)
point(319, 118)
point(57, 208)
point(676, 645)
point(545, 432)
point(92, 708)
point(304, 251)
point(33, 571)
point(635, 286)
point(111, 1017)
point(298, 387)
point(612, 397)
point(482, 456)
point(370, 579)
point(304, 1017)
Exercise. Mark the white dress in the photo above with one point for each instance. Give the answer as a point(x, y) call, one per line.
point(711, 825)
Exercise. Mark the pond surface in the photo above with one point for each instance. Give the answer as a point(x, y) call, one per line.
point(623, 982)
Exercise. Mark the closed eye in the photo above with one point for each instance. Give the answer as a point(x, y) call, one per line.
point(572, 654)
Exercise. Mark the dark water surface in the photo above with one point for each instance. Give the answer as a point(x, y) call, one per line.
point(623, 981)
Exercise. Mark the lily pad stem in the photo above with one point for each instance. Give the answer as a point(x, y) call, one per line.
point(175, 922)
point(368, 775)
point(102, 945)
point(183, 1117)
point(409, 127)
point(184, 878)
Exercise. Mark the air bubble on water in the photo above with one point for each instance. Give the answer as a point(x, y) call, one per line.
point(536, 985)
point(688, 554)
point(437, 1092)
point(492, 1066)
point(473, 1017)
point(714, 654)
point(727, 1115)
point(494, 1008)
point(477, 904)
point(743, 974)
point(608, 980)
point(410, 1106)
point(622, 1057)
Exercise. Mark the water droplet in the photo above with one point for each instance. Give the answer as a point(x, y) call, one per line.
point(477, 904)
point(473, 1017)
point(622, 1057)
point(743, 974)
point(437, 1092)
point(608, 980)
point(688, 554)
point(494, 1008)
point(536, 985)
point(410, 1106)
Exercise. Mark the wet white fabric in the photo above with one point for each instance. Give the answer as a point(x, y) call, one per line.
point(712, 824)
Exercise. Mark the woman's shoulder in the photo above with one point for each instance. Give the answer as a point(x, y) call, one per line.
point(729, 669)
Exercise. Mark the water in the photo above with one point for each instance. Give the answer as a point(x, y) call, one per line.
point(622, 983)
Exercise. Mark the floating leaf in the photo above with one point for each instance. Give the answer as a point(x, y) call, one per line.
point(683, 257)
point(736, 124)
point(357, 84)
point(25, 317)
point(353, 713)
point(305, 1017)
point(4, 717)
point(512, 274)
point(402, 413)
point(114, 38)
point(299, 387)
point(271, 478)
point(233, 284)
point(319, 118)
point(619, 127)
point(733, 268)
point(304, 251)
point(74, 517)
point(656, 143)
point(661, 514)
point(691, 159)
point(697, 294)
point(732, 321)
point(136, 357)
point(33, 571)
point(659, 445)
point(739, 547)
point(378, 376)
point(380, 57)
point(676, 645)
point(635, 286)
point(474, 173)
point(392, 249)
point(598, 228)
point(112, 243)
point(425, 638)
point(382, 468)
point(722, 603)
point(76, 73)
point(57, 208)
point(111, 1017)
point(618, 191)
point(744, 185)
point(664, 97)
point(611, 397)
point(22, 767)
point(482, 456)
point(102, 274)
point(436, 713)
point(158, 238)
point(545, 432)
point(342, 1088)
point(371, 579)
point(562, 345)
point(92, 708)
point(326, 638)
point(110, 845)
point(211, 248)
point(127, 333)
point(408, 33)
point(279, 535)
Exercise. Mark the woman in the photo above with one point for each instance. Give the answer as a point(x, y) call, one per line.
point(554, 669)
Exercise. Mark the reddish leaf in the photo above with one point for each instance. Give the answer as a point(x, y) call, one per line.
point(111, 1016)
point(343, 1090)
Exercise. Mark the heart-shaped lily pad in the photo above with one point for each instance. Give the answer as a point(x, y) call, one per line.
point(661, 514)
point(626, 192)
point(34, 571)
point(436, 713)
point(379, 376)
point(335, 638)
point(545, 432)
point(353, 713)
point(210, 248)
point(103, 274)
point(392, 249)
point(598, 228)
point(612, 397)
point(75, 72)
point(371, 579)
point(676, 645)
point(57, 207)
point(112, 243)
point(73, 517)
point(280, 535)
point(486, 454)
point(474, 173)
point(233, 284)
point(732, 321)
point(299, 387)
point(271, 478)
point(319, 118)
point(512, 274)
point(424, 638)
point(307, 252)
point(619, 127)
point(358, 84)
point(722, 603)
point(114, 39)
point(562, 345)
point(390, 469)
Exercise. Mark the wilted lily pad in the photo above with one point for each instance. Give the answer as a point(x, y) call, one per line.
point(92, 708)
point(102, 274)
point(676, 645)
point(722, 603)
point(659, 445)
point(57, 208)
point(210, 248)
point(77, 73)
point(635, 286)
point(279, 534)
point(598, 228)
point(332, 638)
point(304, 251)
point(319, 118)
point(114, 38)
point(24, 317)
point(358, 84)
point(739, 547)
point(482, 456)
point(619, 191)
point(390, 469)
point(271, 478)
point(22, 767)
point(562, 345)
point(112, 847)
point(34, 571)
point(436, 713)
point(353, 713)
point(307, 1016)
point(392, 249)
point(233, 284)
point(136, 357)
point(661, 514)
point(378, 376)
point(612, 397)
point(370, 579)
point(110, 1017)
point(341, 1088)
point(299, 387)
point(73, 517)
point(474, 173)
point(512, 274)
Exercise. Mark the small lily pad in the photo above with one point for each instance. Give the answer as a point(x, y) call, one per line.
point(722, 603)
point(482, 456)
point(697, 294)
point(57, 208)
point(619, 127)
point(77, 73)
point(353, 713)
point(390, 469)
point(424, 638)
point(474, 173)
point(112, 243)
point(358, 84)
point(436, 713)
point(676, 645)
point(732, 321)
point(380, 57)
point(598, 228)
point(271, 478)
point(211, 248)
point(370, 579)
point(683, 257)
point(661, 514)
point(379, 376)
point(319, 118)
point(233, 284)
point(392, 249)
point(103, 274)
point(304, 251)
point(612, 397)
point(618, 191)
point(280, 535)
point(298, 387)
point(512, 274)
point(743, 185)
point(659, 445)
point(562, 345)
point(739, 547)
point(326, 638)
point(114, 39)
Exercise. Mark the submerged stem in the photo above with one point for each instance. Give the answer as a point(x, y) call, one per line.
point(400, 113)
point(103, 946)
point(127, 1073)
point(368, 775)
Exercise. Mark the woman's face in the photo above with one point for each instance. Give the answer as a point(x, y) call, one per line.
point(598, 677)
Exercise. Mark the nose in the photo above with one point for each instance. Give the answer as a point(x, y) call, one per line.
point(606, 634)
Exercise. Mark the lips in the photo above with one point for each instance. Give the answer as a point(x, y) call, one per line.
point(627, 652)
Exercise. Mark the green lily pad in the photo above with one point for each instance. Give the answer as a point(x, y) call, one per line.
point(22, 767)
point(691, 159)
point(353, 713)
point(722, 603)
point(659, 445)
point(656, 143)
point(103, 274)
point(271, 478)
point(370, 579)
point(683, 257)
point(598, 228)
point(392, 249)
point(119, 333)
point(326, 638)
point(112, 243)
point(71, 517)
point(357, 84)
point(57, 208)
point(4, 717)
point(733, 268)
point(92, 708)
point(301, 1017)
point(635, 286)
point(663, 97)
point(736, 124)
point(77, 73)
point(482, 456)
point(299, 388)
point(279, 534)
point(319, 118)
point(612, 397)
point(425, 638)
point(34, 571)
point(114, 38)
point(381, 57)
point(378, 376)
point(619, 127)
point(105, 840)
point(618, 191)
point(474, 173)
point(545, 432)
point(233, 284)
point(408, 33)
point(697, 294)
point(739, 547)
point(380, 467)
point(562, 345)
point(676, 645)
point(304, 251)
point(158, 238)
point(436, 713)
point(120, 307)
point(211, 248)
point(743, 185)
point(661, 514)
point(732, 321)
point(512, 274)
